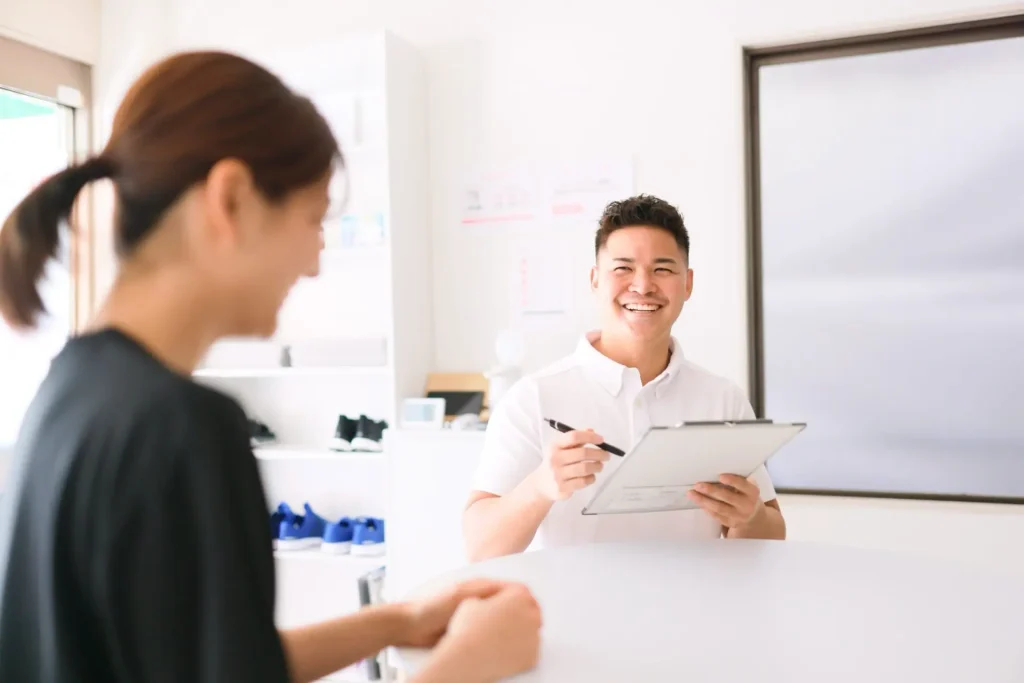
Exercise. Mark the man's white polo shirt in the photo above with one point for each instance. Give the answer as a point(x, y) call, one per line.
point(589, 390)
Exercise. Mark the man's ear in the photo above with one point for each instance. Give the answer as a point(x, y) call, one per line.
point(593, 278)
point(689, 284)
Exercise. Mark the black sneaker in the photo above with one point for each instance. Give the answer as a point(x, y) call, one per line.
point(343, 434)
point(368, 435)
point(260, 434)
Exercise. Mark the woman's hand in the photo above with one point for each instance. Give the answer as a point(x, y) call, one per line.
point(427, 619)
point(488, 638)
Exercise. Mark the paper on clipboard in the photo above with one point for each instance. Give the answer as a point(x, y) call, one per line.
point(668, 461)
point(638, 498)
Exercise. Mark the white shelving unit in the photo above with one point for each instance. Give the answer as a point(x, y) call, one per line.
point(301, 453)
point(360, 563)
point(372, 91)
point(256, 373)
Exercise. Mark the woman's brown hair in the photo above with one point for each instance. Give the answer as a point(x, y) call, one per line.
point(179, 119)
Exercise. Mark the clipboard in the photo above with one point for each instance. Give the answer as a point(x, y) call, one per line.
point(657, 473)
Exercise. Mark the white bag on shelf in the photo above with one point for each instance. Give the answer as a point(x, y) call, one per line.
point(244, 353)
point(341, 352)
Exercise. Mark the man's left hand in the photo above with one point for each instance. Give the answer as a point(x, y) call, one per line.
point(734, 502)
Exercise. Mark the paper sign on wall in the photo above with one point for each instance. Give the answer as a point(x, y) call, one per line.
point(542, 281)
point(582, 193)
point(550, 195)
point(501, 200)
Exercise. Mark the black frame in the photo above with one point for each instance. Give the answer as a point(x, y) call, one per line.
point(993, 28)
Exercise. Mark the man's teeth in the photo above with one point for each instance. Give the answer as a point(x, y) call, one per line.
point(642, 307)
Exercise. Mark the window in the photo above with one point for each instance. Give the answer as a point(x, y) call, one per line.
point(39, 135)
point(887, 260)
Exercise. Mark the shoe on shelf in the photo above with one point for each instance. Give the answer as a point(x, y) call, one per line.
point(260, 434)
point(368, 537)
point(369, 434)
point(338, 537)
point(303, 531)
point(344, 432)
point(282, 514)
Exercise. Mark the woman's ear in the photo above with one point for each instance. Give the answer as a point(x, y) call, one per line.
point(228, 191)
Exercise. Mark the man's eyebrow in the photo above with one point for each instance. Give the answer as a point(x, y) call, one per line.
point(663, 259)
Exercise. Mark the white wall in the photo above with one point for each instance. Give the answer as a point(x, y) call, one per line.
point(133, 35)
point(979, 535)
point(70, 28)
point(537, 79)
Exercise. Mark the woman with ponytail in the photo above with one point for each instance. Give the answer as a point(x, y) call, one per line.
point(134, 541)
point(31, 236)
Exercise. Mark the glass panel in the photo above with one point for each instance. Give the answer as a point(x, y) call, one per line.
point(36, 137)
point(893, 269)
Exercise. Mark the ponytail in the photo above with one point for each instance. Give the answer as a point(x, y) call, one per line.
point(31, 236)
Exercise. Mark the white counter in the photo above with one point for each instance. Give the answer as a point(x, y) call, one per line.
point(429, 477)
point(765, 611)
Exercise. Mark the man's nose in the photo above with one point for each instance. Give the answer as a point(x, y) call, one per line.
point(642, 283)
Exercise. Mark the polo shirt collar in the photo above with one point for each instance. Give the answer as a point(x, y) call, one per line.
point(610, 374)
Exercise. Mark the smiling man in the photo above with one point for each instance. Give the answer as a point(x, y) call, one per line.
point(623, 379)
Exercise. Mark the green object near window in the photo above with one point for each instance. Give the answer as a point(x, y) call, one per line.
point(16, 106)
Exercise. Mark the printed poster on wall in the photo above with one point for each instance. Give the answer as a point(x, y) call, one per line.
point(544, 195)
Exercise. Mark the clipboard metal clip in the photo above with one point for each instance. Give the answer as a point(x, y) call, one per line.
point(726, 423)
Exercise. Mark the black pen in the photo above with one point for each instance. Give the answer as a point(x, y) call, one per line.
point(566, 428)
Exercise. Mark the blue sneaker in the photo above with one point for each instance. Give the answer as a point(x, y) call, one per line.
point(368, 537)
point(303, 531)
point(338, 537)
point(281, 514)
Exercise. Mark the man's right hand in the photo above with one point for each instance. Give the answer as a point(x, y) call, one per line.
point(492, 638)
point(571, 463)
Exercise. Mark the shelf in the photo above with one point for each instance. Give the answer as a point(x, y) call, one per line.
point(360, 253)
point(284, 452)
point(317, 555)
point(353, 674)
point(256, 373)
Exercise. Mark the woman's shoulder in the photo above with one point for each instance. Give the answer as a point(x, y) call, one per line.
point(109, 408)
point(125, 383)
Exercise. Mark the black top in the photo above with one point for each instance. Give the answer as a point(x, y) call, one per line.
point(134, 537)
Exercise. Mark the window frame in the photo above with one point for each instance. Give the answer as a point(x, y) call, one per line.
point(754, 57)
point(39, 73)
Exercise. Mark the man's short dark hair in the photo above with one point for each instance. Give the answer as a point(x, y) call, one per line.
point(642, 210)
